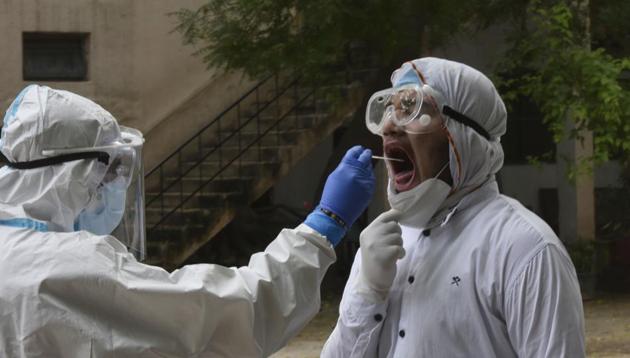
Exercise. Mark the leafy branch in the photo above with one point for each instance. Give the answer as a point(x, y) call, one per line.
point(316, 37)
point(570, 82)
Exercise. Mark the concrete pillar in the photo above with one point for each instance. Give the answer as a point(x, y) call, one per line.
point(576, 199)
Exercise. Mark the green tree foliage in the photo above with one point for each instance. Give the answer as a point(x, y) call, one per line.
point(557, 69)
point(557, 59)
point(315, 36)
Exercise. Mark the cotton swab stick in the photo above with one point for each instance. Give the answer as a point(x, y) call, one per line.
point(385, 158)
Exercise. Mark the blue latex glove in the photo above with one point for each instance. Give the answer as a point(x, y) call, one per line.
point(347, 192)
point(349, 188)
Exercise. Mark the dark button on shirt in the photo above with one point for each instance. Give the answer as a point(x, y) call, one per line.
point(401, 333)
point(411, 279)
point(426, 232)
point(378, 317)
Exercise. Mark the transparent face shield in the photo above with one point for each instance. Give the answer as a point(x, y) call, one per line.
point(127, 167)
point(117, 208)
point(406, 106)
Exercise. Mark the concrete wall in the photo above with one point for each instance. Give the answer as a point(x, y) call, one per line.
point(138, 68)
point(547, 176)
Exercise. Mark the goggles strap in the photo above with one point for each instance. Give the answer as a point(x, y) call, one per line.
point(102, 157)
point(463, 119)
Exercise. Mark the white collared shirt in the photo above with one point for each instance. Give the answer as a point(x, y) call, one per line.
point(491, 280)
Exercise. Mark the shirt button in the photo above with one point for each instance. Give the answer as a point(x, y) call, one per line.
point(401, 333)
point(378, 317)
point(411, 279)
point(426, 232)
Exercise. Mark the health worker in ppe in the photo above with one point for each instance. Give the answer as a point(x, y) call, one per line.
point(454, 269)
point(70, 289)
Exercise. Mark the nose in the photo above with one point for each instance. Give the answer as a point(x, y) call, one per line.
point(392, 130)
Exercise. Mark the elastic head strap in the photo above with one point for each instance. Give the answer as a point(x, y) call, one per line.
point(102, 157)
point(463, 119)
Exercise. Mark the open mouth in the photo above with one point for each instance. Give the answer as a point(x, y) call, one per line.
point(403, 173)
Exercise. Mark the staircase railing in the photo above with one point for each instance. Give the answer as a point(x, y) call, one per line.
point(221, 136)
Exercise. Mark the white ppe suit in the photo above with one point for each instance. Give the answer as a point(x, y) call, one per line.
point(485, 277)
point(74, 294)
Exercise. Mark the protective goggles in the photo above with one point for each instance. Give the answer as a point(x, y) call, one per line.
point(123, 159)
point(405, 106)
point(416, 107)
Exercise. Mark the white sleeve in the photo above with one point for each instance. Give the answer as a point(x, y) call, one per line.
point(543, 308)
point(358, 327)
point(199, 310)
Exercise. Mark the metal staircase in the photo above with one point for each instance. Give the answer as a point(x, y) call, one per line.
point(237, 157)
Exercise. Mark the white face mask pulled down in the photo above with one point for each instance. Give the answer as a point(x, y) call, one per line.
point(419, 204)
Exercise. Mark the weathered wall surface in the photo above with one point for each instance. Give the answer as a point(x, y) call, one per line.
point(138, 68)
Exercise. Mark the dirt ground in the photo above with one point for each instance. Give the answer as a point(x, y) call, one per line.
point(608, 326)
point(607, 329)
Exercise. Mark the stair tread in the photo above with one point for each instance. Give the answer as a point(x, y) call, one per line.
point(185, 210)
point(251, 150)
point(274, 131)
point(243, 162)
point(262, 146)
point(170, 227)
point(224, 178)
point(204, 193)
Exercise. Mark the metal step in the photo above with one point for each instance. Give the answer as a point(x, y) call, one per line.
point(249, 117)
point(286, 134)
point(283, 134)
point(154, 214)
point(255, 152)
point(238, 168)
point(192, 199)
point(194, 181)
point(296, 120)
point(288, 100)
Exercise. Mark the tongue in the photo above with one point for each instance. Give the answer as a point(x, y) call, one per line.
point(404, 177)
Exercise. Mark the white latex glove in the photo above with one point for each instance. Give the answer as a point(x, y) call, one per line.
point(381, 247)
